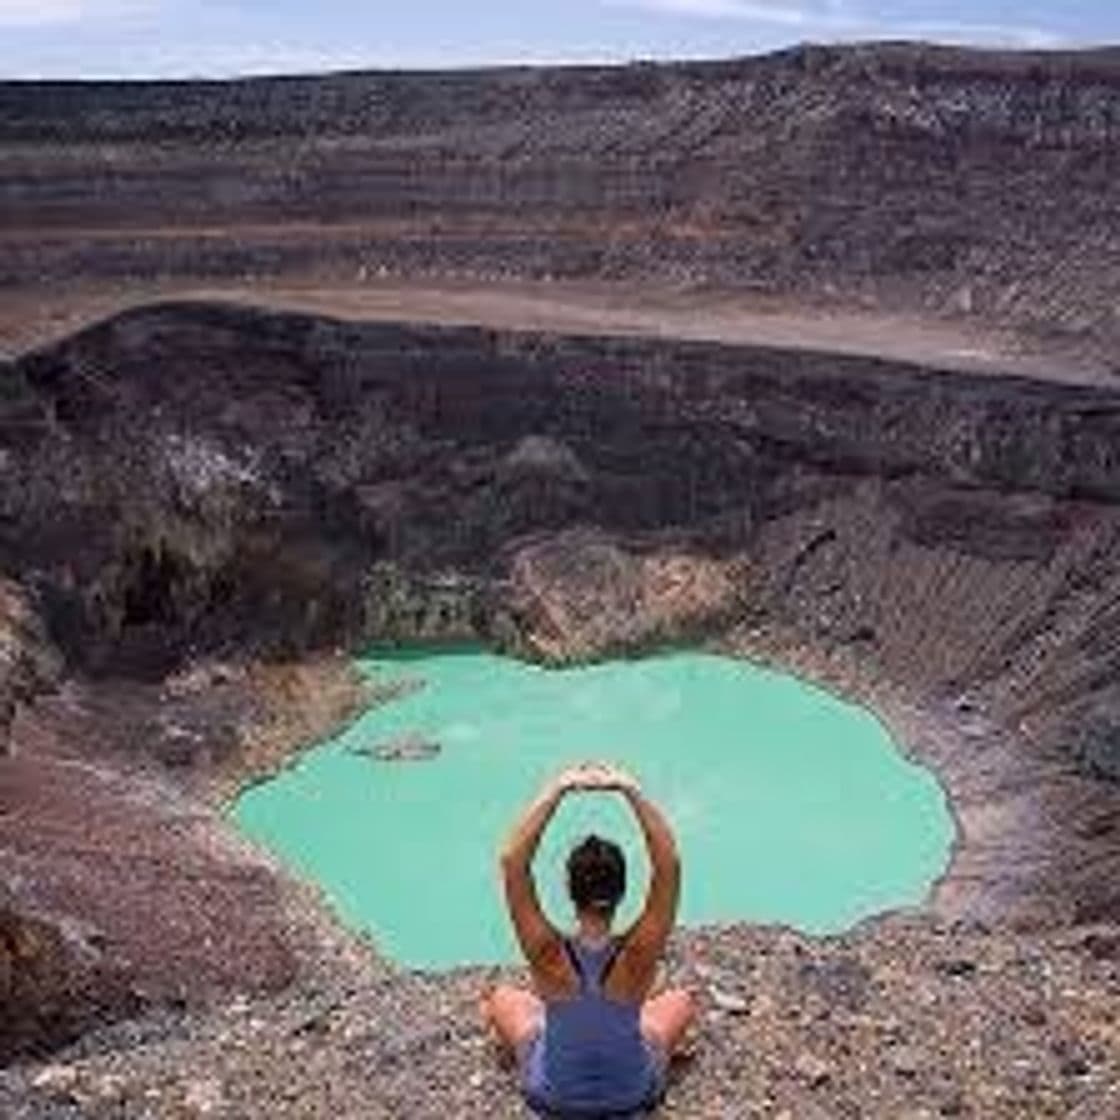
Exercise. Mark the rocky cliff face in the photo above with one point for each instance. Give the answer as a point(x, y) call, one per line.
point(907, 177)
point(230, 471)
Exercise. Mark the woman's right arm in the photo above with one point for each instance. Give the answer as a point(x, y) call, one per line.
point(646, 940)
point(660, 912)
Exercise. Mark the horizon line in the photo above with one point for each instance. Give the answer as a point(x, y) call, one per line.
point(355, 68)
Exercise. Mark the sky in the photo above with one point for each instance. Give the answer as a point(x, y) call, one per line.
point(219, 38)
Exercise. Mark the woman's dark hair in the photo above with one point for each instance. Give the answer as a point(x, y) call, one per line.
point(596, 875)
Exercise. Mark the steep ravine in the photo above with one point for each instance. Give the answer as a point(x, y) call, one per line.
point(202, 485)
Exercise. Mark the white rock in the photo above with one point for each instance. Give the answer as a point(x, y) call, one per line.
point(730, 1002)
point(812, 1070)
point(204, 1098)
point(55, 1079)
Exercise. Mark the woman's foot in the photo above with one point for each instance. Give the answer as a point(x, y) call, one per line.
point(511, 1015)
point(666, 1019)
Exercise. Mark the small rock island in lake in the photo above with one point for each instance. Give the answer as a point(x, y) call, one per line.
point(404, 748)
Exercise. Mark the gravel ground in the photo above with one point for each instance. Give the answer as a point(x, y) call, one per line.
point(902, 1018)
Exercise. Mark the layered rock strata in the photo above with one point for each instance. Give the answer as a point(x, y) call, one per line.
point(952, 182)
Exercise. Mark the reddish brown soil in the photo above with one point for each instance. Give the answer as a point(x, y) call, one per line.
point(81, 839)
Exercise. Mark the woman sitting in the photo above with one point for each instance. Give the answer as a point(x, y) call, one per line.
point(591, 1041)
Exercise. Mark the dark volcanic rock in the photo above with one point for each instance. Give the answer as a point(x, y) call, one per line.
point(29, 664)
point(235, 476)
point(49, 993)
point(907, 176)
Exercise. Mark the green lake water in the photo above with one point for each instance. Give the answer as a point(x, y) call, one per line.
point(790, 806)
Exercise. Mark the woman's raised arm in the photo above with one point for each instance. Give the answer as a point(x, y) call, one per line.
point(646, 939)
point(539, 941)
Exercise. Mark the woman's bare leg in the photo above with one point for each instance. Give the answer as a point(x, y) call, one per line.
point(514, 1014)
point(666, 1017)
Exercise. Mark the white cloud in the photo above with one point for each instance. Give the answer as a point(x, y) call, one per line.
point(50, 13)
point(835, 19)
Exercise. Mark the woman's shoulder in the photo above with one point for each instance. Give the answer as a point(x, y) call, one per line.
point(633, 967)
point(555, 974)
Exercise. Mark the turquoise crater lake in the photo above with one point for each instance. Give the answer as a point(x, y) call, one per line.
point(790, 805)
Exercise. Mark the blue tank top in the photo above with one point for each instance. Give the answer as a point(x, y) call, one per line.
point(590, 1058)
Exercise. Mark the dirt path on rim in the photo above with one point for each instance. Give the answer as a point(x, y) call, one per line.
point(30, 319)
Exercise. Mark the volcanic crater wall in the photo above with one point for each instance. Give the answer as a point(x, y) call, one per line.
point(193, 477)
point(907, 177)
